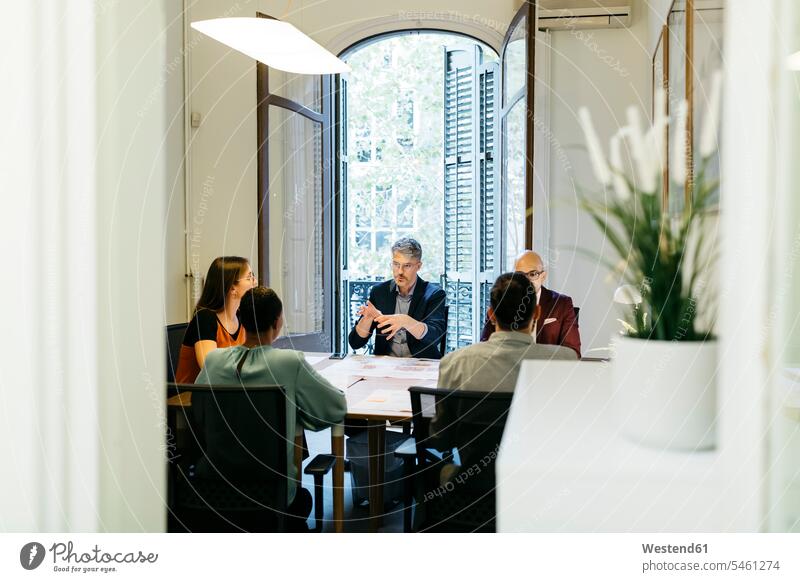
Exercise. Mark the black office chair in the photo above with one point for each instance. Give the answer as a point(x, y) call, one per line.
point(241, 433)
point(175, 333)
point(466, 501)
point(407, 452)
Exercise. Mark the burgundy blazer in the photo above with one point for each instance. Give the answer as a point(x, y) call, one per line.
point(557, 326)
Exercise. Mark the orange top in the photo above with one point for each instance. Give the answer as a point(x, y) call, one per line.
point(204, 326)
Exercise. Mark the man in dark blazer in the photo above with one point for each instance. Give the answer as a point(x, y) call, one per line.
point(406, 311)
point(558, 324)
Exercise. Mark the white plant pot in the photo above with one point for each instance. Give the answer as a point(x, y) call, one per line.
point(664, 392)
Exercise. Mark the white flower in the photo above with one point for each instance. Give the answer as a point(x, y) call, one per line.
point(627, 295)
point(708, 136)
point(677, 163)
point(596, 156)
point(615, 160)
point(641, 151)
point(793, 61)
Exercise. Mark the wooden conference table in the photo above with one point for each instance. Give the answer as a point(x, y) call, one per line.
point(376, 389)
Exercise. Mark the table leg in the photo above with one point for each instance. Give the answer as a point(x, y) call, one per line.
point(298, 455)
point(337, 450)
point(376, 439)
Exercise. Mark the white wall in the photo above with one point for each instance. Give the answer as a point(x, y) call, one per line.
point(747, 228)
point(788, 253)
point(133, 182)
point(222, 210)
point(172, 147)
point(605, 70)
point(780, 326)
point(85, 182)
point(20, 491)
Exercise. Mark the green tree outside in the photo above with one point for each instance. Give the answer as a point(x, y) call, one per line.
point(394, 134)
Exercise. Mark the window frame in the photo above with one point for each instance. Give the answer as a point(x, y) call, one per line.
point(324, 339)
point(507, 102)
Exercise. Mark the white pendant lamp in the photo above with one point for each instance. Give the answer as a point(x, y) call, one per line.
point(275, 43)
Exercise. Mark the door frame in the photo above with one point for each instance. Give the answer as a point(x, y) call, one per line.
point(527, 11)
point(315, 341)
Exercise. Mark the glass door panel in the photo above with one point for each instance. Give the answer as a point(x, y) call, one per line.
point(296, 221)
point(515, 61)
point(517, 136)
point(676, 91)
point(305, 90)
point(514, 176)
point(707, 59)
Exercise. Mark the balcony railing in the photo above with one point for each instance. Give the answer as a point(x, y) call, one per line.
point(459, 298)
point(357, 295)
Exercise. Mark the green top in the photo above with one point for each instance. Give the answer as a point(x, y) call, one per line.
point(310, 399)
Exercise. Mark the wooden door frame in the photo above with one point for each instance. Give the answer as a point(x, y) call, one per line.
point(265, 99)
point(527, 11)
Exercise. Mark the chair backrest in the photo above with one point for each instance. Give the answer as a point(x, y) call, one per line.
point(423, 409)
point(241, 433)
point(175, 333)
point(479, 419)
point(443, 344)
point(476, 421)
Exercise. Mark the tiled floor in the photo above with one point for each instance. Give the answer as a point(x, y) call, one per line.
point(356, 518)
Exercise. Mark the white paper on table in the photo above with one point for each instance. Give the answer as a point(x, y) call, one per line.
point(396, 400)
point(416, 370)
point(387, 367)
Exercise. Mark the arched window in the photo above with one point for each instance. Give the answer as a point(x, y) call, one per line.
point(422, 138)
point(419, 109)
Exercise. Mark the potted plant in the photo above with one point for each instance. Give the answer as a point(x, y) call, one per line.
point(664, 363)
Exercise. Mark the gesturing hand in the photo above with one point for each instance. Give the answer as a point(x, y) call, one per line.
point(391, 324)
point(369, 311)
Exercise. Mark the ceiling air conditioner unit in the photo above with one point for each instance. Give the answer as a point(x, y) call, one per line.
point(583, 14)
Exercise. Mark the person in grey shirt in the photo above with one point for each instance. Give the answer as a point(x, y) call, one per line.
point(494, 364)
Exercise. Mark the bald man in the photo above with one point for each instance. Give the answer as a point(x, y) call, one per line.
point(558, 324)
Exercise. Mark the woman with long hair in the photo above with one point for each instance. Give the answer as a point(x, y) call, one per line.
point(216, 320)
